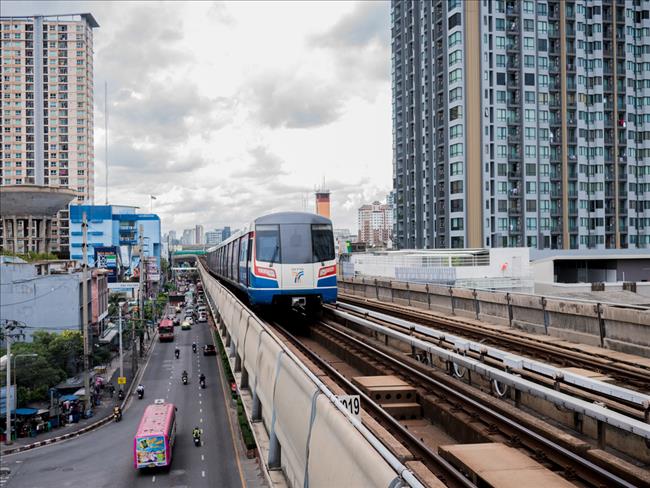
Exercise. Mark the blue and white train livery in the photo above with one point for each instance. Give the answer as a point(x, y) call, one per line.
point(280, 258)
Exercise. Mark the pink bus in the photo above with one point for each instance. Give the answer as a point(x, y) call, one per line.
point(153, 443)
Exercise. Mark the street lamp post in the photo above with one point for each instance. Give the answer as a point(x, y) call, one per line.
point(15, 357)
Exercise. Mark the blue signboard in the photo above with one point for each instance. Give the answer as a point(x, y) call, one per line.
point(108, 258)
point(3, 399)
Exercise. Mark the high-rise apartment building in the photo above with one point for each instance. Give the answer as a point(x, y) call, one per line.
point(47, 106)
point(375, 223)
point(198, 238)
point(521, 123)
point(213, 237)
point(188, 237)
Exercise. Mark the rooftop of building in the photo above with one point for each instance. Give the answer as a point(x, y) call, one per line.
point(88, 17)
point(587, 254)
point(33, 200)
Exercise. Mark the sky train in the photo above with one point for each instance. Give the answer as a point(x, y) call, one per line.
point(284, 258)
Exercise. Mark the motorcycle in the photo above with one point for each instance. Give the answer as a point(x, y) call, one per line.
point(117, 416)
point(184, 380)
point(197, 441)
point(202, 382)
point(177, 353)
point(140, 394)
point(120, 394)
point(194, 348)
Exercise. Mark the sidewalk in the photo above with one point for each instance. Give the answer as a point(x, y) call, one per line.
point(100, 412)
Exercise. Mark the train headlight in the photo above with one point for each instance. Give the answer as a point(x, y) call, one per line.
point(266, 272)
point(327, 271)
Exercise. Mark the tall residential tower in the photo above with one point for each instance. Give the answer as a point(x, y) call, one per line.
point(521, 123)
point(47, 107)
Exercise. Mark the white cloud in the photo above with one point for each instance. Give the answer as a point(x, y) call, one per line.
point(225, 111)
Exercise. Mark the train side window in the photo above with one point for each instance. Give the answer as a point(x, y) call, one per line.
point(267, 243)
point(323, 242)
point(241, 265)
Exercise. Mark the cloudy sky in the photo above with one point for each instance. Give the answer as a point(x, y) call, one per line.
point(225, 111)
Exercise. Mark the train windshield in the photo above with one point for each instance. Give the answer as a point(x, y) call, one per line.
point(294, 243)
point(267, 243)
point(323, 242)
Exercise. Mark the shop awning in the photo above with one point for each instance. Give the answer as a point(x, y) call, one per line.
point(25, 411)
point(69, 398)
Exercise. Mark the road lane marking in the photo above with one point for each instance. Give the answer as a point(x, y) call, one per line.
point(200, 410)
point(201, 420)
point(200, 402)
point(202, 457)
point(203, 473)
point(153, 480)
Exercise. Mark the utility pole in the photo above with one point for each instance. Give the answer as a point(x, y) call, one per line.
point(9, 333)
point(8, 392)
point(119, 308)
point(84, 308)
point(134, 356)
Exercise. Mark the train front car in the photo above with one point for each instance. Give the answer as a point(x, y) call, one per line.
point(293, 261)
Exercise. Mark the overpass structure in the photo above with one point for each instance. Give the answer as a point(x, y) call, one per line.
point(306, 436)
point(181, 258)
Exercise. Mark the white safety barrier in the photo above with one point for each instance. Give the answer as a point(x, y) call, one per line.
point(320, 443)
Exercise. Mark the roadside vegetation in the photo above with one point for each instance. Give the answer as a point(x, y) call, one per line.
point(60, 356)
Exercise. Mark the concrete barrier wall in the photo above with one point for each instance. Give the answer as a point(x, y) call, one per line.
point(600, 324)
point(319, 444)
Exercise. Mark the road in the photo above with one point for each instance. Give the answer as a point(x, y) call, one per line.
point(104, 457)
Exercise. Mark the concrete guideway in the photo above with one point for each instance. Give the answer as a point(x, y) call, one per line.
point(312, 437)
point(104, 457)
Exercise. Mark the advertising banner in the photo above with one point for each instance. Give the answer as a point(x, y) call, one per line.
point(108, 258)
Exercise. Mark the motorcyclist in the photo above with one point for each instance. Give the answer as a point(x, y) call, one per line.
point(194, 346)
point(184, 376)
point(196, 433)
point(202, 378)
point(177, 352)
point(117, 411)
point(120, 394)
point(140, 389)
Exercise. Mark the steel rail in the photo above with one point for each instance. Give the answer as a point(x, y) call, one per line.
point(589, 469)
point(620, 369)
point(416, 444)
point(512, 360)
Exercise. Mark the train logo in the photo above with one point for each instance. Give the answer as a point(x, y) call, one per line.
point(298, 275)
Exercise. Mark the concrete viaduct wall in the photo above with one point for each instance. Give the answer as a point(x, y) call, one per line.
point(620, 329)
point(306, 435)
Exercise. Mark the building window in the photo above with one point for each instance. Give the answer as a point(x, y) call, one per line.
point(456, 169)
point(501, 60)
point(456, 187)
point(454, 20)
point(457, 38)
point(531, 187)
point(456, 150)
point(456, 75)
point(456, 131)
point(455, 94)
point(457, 223)
point(455, 57)
point(531, 223)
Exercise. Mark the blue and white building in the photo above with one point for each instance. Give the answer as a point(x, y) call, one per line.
point(115, 226)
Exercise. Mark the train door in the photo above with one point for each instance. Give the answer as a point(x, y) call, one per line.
point(243, 254)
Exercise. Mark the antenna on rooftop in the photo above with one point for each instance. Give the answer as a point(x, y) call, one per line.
point(106, 134)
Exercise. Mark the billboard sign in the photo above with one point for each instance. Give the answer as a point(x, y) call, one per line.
point(3, 399)
point(108, 258)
